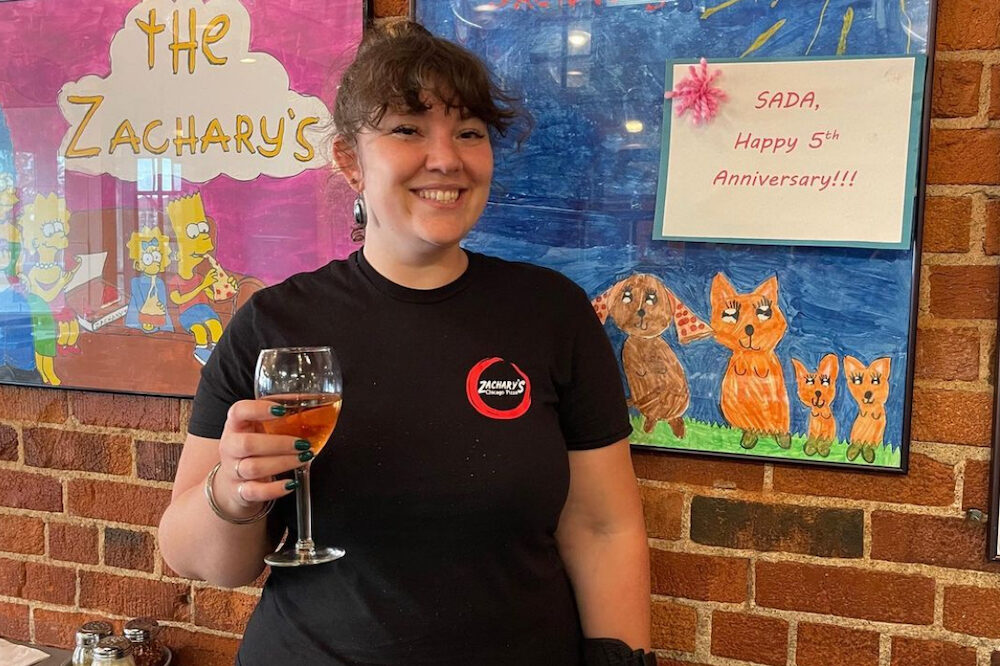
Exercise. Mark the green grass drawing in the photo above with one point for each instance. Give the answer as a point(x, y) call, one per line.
point(714, 438)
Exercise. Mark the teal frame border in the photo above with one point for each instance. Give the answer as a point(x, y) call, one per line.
point(912, 160)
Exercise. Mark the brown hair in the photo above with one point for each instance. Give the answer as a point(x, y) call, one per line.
point(399, 60)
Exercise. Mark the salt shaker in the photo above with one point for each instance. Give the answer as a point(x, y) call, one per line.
point(113, 651)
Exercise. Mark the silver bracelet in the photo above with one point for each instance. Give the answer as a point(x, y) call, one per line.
point(219, 512)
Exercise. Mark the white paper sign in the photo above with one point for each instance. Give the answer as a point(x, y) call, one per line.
point(805, 152)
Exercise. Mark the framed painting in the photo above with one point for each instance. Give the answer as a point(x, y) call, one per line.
point(790, 336)
point(160, 160)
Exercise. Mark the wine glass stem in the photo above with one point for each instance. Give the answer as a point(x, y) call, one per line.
point(303, 505)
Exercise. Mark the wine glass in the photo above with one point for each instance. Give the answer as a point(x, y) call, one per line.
point(306, 381)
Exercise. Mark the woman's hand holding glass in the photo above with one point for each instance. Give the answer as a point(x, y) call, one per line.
point(251, 459)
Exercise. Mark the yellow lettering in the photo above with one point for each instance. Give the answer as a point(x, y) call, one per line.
point(244, 130)
point(190, 46)
point(208, 38)
point(124, 134)
point(156, 150)
point(95, 103)
point(300, 138)
point(191, 141)
point(214, 134)
point(274, 141)
point(151, 29)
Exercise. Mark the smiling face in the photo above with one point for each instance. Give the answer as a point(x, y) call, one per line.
point(425, 177)
point(869, 386)
point(747, 322)
point(817, 389)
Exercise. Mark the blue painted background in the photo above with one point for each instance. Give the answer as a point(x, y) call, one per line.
point(580, 193)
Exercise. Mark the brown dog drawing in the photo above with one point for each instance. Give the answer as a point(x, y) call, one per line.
point(643, 308)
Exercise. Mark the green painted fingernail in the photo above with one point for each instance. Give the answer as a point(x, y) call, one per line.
point(291, 485)
point(306, 456)
point(302, 445)
point(278, 410)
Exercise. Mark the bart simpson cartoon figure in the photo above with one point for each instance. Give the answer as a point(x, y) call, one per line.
point(44, 228)
point(190, 291)
point(149, 250)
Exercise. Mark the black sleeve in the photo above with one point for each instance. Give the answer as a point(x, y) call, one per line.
point(228, 375)
point(592, 409)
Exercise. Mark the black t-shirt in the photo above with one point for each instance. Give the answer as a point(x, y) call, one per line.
point(448, 469)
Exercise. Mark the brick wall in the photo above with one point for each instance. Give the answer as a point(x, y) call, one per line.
point(751, 563)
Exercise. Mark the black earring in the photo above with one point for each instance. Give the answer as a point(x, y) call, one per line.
point(360, 213)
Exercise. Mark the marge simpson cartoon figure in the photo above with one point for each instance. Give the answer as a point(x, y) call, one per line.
point(189, 290)
point(17, 342)
point(754, 397)
point(45, 232)
point(149, 250)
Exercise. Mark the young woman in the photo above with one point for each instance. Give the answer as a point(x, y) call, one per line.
point(479, 476)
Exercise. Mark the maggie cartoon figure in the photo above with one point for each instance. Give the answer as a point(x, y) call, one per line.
point(189, 290)
point(869, 386)
point(149, 250)
point(817, 391)
point(754, 398)
point(643, 308)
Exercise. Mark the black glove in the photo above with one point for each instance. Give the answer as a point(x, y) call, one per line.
point(613, 652)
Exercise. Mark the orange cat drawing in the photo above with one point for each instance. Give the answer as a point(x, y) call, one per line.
point(870, 389)
point(817, 391)
point(754, 398)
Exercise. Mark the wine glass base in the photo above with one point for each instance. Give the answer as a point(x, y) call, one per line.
point(291, 557)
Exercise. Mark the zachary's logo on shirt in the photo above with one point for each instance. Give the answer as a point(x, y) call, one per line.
point(498, 389)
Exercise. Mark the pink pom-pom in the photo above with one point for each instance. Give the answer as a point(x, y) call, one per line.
point(697, 93)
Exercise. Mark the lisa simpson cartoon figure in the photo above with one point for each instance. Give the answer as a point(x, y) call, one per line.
point(643, 308)
point(149, 250)
point(817, 391)
point(192, 292)
point(754, 398)
point(870, 389)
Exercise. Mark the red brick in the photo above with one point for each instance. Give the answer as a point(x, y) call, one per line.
point(944, 542)
point(127, 411)
point(916, 652)
point(20, 403)
point(663, 510)
point(976, 491)
point(964, 157)
point(21, 534)
point(55, 585)
point(829, 645)
point(387, 8)
point(134, 597)
point(200, 649)
point(68, 449)
point(846, 591)
point(700, 577)
point(676, 468)
point(8, 442)
point(225, 610)
point(58, 629)
point(118, 502)
point(128, 549)
point(995, 659)
point(762, 640)
point(22, 490)
point(995, 92)
point(952, 417)
point(675, 626)
point(972, 610)
point(956, 88)
point(946, 224)
point(12, 578)
point(991, 241)
point(928, 483)
point(948, 354)
point(73, 543)
point(14, 621)
point(968, 24)
point(157, 461)
point(964, 292)
point(777, 527)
